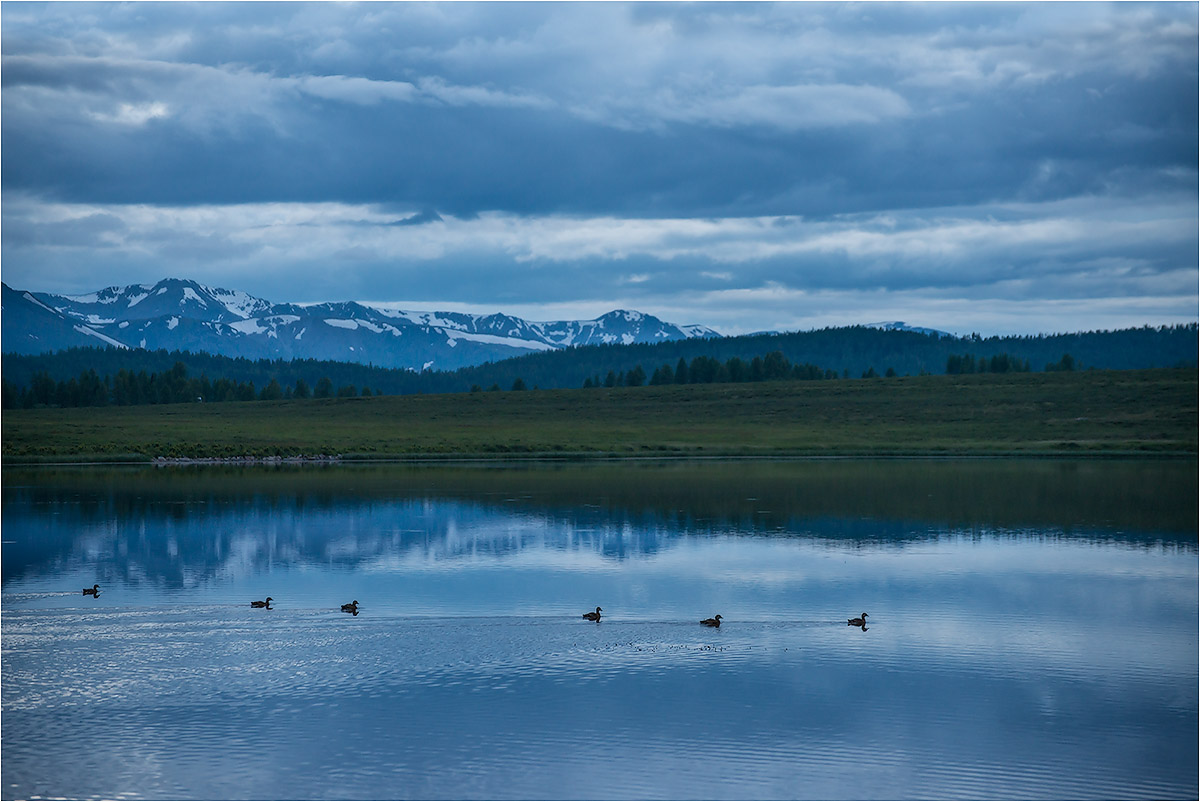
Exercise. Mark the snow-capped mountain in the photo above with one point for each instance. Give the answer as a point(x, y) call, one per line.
point(186, 315)
point(900, 325)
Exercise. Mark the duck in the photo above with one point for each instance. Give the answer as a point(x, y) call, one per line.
point(715, 621)
point(857, 622)
point(352, 607)
point(593, 616)
point(266, 603)
point(92, 591)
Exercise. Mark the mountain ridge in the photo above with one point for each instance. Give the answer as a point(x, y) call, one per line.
point(182, 314)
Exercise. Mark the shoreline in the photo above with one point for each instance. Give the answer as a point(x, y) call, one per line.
point(561, 458)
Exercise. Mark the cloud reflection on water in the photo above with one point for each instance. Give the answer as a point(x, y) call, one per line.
point(1045, 649)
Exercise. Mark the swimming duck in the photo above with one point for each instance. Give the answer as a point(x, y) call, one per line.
point(92, 591)
point(712, 622)
point(857, 622)
point(266, 603)
point(593, 616)
point(352, 607)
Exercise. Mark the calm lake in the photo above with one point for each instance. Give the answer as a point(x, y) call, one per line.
point(1032, 631)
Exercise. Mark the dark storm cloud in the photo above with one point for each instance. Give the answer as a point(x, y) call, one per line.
point(486, 108)
point(978, 149)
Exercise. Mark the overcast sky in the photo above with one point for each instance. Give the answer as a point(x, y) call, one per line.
point(1001, 168)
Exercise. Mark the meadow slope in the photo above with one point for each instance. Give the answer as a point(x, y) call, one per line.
point(1093, 412)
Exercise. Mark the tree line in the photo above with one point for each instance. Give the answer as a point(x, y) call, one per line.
point(1003, 363)
point(997, 363)
point(175, 386)
point(708, 370)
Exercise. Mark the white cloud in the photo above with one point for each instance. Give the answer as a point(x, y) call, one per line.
point(133, 113)
point(951, 236)
point(967, 310)
point(999, 268)
point(353, 89)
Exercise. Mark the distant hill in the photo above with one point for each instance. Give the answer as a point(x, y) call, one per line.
point(854, 350)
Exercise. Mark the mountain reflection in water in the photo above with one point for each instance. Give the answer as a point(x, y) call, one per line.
point(178, 526)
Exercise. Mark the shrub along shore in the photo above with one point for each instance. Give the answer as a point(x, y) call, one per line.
point(1102, 413)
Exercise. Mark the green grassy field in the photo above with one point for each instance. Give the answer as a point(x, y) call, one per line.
point(1093, 412)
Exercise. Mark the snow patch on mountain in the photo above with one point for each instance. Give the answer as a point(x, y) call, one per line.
point(512, 342)
point(900, 325)
point(247, 326)
point(31, 299)
point(237, 302)
point(188, 295)
point(93, 333)
point(418, 318)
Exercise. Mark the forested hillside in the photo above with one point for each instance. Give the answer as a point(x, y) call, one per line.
point(91, 376)
point(853, 351)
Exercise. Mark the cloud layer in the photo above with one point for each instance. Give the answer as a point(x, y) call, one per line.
point(712, 159)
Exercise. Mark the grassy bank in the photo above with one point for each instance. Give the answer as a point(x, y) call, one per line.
point(1094, 412)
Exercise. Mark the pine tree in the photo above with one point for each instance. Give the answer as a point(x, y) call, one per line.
point(272, 392)
point(681, 371)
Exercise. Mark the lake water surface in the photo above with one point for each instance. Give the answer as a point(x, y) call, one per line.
point(1032, 631)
